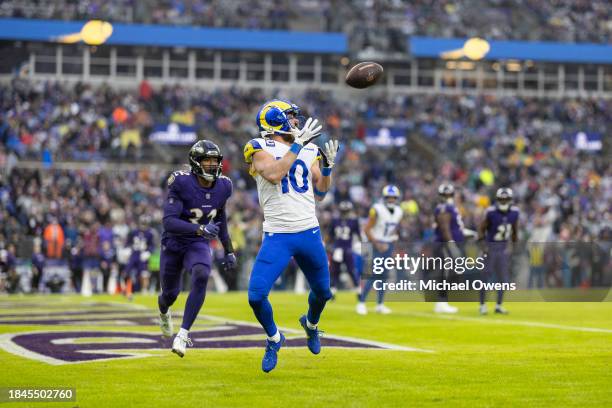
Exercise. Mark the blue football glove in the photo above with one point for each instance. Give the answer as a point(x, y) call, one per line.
point(229, 262)
point(209, 231)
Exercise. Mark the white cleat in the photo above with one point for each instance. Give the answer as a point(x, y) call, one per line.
point(180, 343)
point(483, 309)
point(361, 309)
point(444, 307)
point(499, 309)
point(165, 324)
point(382, 309)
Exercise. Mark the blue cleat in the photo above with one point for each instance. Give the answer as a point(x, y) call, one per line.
point(314, 337)
point(270, 357)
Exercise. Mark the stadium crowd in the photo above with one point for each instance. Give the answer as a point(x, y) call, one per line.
point(478, 143)
point(558, 20)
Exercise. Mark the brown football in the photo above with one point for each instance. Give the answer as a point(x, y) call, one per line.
point(364, 74)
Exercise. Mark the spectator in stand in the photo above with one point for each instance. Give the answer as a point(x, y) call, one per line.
point(53, 236)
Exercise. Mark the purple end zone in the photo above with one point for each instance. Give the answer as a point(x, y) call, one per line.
point(58, 347)
point(46, 344)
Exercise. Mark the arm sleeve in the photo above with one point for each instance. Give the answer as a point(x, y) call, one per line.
point(356, 229)
point(331, 230)
point(223, 231)
point(172, 212)
point(224, 236)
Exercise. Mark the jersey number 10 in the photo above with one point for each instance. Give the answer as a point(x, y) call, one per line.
point(290, 178)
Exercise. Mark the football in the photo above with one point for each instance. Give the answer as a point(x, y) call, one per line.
point(364, 74)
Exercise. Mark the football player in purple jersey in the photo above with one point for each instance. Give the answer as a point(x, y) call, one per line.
point(499, 225)
point(194, 214)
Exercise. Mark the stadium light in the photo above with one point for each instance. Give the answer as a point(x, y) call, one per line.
point(474, 49)
point(94, 32)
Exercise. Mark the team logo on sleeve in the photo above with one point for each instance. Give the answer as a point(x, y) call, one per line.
point(171, 179)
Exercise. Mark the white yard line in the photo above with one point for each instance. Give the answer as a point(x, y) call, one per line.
point(485, 320)
point(386, 346)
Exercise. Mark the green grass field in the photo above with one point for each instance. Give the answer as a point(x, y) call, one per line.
point(542, 354)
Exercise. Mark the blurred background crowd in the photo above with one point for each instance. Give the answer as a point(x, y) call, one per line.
point(560, 20)
point(82, 169)
point(477, 142)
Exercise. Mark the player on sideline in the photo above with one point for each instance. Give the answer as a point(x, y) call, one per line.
point(285, 166)
point(381, 231)
point(194, 214)
point(341, 232)
point(449, 233)
point(499, 225)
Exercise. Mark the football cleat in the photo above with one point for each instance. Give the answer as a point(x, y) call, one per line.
point(382, 309)
point(361, 308)
point(165, 324)
point(180, 343)
point(500, 310)
point(314, 336)
point(483, 309)
point(444, 307)
point(270, 357)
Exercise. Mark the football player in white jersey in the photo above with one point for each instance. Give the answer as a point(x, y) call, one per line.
point(382, 232)
point(291, 173)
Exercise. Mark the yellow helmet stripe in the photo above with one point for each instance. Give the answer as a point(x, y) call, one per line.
point(262, 115)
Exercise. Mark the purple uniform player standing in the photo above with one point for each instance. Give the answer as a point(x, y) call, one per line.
point(499, 225)
point(141, 243)
point(341, 232)
point(194, 214)
point(449, 236)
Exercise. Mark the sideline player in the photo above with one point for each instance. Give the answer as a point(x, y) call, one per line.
point(140, 240)
point(194, 214)
point(285, 166)
point(449, 235)
point(381, 231)
point(341, 232)
point(499, 225)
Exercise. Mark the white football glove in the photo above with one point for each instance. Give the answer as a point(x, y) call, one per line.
point(144, 256)
point(308, 133)
point(329, 152)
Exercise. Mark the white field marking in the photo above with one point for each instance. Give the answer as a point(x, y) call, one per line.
point(101, 340)
point(385, 346)
point(496, 321)
point(7, 344)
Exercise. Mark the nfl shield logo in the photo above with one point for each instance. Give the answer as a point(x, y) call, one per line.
point(208, 196)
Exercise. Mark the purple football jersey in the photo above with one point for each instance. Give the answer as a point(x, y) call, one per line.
point(456, 224)
point(341, 231)
point(140, 240)
point(500, 223)
point(189, 205)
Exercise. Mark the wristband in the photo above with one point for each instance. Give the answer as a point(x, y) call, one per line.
point(326, 171)
point(319, 193)
point(295, 148)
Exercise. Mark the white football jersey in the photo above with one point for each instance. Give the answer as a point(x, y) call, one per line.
point(288, 206)
point(387, 221)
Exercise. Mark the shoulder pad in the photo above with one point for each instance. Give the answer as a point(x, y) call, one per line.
point(227, 181)
point(252, 146)
point(491, 208)
point(177, 174)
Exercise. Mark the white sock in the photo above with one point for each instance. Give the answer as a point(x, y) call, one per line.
point(276, 338)
point(498, 306)
point(183, 333)
point(310, 325)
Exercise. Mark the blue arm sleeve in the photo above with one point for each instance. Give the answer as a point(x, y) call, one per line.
point(172, 213)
